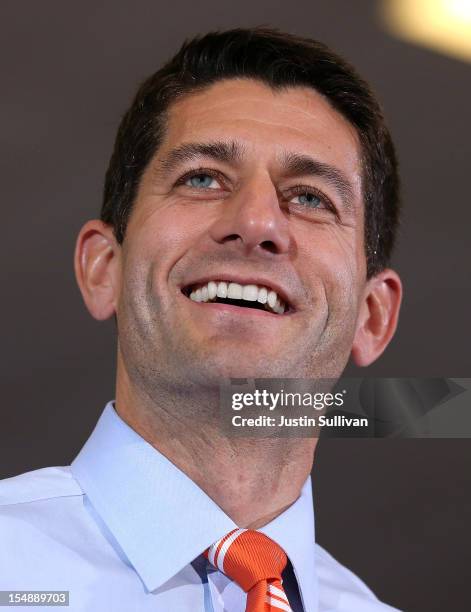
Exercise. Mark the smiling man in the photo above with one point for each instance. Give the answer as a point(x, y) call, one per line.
point(249, 216)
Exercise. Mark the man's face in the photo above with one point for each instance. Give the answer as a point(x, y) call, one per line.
point(252, 187)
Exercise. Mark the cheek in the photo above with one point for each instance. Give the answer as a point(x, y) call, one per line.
point(160, 238)
point(338, 264)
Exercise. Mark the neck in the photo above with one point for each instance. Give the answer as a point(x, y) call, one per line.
point(252, 480)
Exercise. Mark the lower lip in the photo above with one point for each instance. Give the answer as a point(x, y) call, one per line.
point(239, 310)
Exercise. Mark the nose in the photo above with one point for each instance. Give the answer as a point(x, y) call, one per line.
point(252, 219)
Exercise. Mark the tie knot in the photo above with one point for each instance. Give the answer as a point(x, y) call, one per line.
point(247, 557)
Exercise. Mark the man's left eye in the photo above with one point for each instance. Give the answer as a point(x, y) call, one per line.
point(202, 181)
point(311, 200)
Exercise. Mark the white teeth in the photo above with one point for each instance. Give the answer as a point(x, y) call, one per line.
point(234, 291)
point(271, 298)
point(250, 293)
point(262, 295)
point(212, 290)
point(279, 307)
point(222, 290)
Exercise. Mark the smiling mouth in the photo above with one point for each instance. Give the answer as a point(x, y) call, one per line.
point(244, 296)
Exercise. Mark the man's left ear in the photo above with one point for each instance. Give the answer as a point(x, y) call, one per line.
point(378, 317)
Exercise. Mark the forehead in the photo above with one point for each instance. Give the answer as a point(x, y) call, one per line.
point(266, 122)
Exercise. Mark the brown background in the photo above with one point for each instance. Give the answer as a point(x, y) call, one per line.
point(396, 512)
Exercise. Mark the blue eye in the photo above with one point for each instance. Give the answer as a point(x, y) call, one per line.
point(309, 199)
point(202, 181)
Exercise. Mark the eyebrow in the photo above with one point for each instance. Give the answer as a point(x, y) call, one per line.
point(229, 152)
point(295, 164)
point(292, 164)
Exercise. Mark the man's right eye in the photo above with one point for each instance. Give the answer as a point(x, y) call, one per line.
point(202, 181)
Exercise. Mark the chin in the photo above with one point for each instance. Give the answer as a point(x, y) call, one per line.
point(241, 369)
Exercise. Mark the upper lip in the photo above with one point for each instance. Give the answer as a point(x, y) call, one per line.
point(243, 280)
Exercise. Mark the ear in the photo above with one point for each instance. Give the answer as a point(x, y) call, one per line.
point(377, 321)
point(96, 264)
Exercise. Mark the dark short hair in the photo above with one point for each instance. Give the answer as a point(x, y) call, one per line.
point(278, 60)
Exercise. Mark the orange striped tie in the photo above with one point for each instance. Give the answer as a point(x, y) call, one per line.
point(255, 562)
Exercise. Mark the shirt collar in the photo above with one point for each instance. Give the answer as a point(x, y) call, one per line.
point(161, 519)
point(293, 530)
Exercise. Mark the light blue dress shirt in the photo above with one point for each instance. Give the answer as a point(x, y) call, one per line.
point(122, 529)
